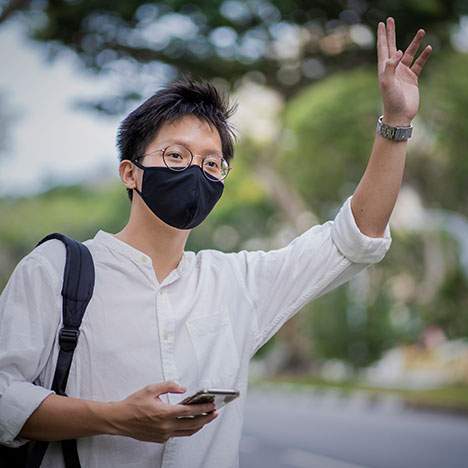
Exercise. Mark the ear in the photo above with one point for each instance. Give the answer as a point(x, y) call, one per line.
point(128, 174)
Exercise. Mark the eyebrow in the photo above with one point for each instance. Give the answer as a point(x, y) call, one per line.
point(187, 145)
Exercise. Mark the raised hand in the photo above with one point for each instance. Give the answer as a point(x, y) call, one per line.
point(398, 74)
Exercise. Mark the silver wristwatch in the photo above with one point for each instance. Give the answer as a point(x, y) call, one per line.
point(393, 133)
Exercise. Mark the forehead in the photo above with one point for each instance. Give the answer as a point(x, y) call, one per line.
point(195, 133)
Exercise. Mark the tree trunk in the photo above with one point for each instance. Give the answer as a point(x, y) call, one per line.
point(295, 345)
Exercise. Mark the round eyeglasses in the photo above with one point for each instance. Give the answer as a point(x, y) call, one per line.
point(179, 158)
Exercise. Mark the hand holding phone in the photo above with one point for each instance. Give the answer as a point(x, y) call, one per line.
point(144, 416)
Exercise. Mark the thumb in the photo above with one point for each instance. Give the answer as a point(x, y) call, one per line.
point(165, 387)
point(392, 63)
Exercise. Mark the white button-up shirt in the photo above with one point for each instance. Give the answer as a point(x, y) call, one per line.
point(199, 327)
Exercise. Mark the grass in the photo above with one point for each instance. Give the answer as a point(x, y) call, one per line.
point(451, 398)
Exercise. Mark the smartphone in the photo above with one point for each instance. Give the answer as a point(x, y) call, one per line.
point(218, 396)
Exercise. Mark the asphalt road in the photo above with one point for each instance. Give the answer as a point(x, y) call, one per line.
point(310, 429)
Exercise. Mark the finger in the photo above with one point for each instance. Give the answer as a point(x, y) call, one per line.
point(165, 387)
point(194, 423)
point(412, 48)
point(391, 36)
point(382, 49)
point(421, 60)
point(190, 410)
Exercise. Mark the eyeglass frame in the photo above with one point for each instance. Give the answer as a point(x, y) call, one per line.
point(191, 161)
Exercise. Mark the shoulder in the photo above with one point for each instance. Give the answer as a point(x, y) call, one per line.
point(228, 266)
point(52, 256)
point(212, 257)
point(209, 261)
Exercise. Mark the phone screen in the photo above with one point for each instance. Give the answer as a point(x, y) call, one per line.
point(219, 397)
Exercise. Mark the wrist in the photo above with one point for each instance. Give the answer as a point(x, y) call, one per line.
point(106, 415)
point(396, 120)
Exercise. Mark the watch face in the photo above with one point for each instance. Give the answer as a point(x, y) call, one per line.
point(389, 132)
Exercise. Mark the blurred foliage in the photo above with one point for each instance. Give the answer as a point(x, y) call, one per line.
point(449, 309)
point(445, 113)
point(453, 398)
point(357, 333)
point(330, 123)
point(284, 44)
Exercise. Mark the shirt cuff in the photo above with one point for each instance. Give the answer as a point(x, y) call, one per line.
point(355, 245)
point(17, 403)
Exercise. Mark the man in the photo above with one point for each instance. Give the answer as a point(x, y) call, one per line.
point(164, 321)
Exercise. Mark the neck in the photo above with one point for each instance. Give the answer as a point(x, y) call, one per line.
point(163, 243)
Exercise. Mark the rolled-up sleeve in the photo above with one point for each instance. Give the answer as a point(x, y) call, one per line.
point(354, 244)
point(280, 282)
point(18, 402)
point(29, 313)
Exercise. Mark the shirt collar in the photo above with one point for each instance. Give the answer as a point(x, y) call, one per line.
point(115, 244)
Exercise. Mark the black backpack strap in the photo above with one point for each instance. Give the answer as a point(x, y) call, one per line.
point(77, 290)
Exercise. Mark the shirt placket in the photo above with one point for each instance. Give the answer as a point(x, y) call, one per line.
point(167, 330)
point(166, 336)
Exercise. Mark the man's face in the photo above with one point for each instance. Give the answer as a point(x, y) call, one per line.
point(194, 134)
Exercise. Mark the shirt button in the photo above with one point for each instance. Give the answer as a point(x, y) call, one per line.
point(144, 259)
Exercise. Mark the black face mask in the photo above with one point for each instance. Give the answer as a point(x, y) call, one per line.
point(182, 199)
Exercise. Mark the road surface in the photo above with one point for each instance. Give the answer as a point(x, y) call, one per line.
point(313, 429)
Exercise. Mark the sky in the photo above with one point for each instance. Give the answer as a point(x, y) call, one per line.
point(48, 137)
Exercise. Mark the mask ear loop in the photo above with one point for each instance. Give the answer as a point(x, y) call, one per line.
point(143, 168)
point(137, 191)
point(135, 161)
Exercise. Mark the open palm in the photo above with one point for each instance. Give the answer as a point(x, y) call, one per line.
point(398, 75)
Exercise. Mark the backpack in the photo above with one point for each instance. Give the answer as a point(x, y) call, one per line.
point(77, 290)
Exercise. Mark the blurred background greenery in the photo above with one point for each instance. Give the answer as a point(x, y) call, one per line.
point(304, 74)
